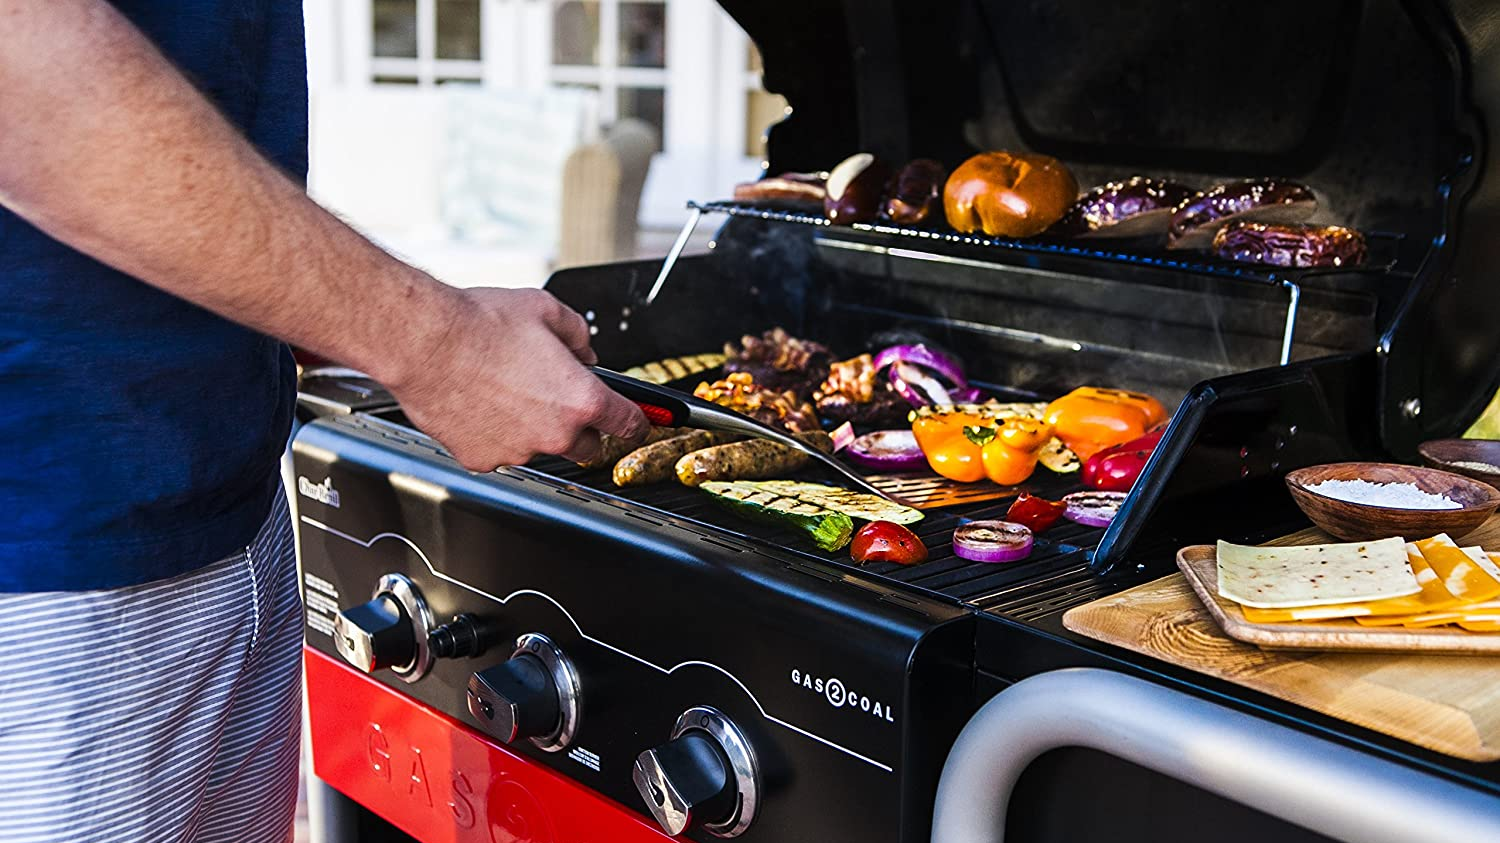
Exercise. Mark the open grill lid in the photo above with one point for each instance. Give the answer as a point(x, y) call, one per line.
point(1377, 104)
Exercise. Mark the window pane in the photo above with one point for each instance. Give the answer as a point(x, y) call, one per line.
point(395, 80)
point(458, 29)
point(395, 28)
point(575, 32)
point(643, 35)
point(648, 104)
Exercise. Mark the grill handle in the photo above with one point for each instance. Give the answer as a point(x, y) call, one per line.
point(1322, 786)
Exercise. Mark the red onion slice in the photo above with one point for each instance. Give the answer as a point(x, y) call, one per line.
point(992, 541)
point(925, 357)
point(888, 450)
point(917, 387)
point(1093, 509)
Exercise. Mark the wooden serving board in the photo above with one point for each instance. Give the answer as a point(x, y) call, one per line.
point(1200, 568)
point(1448, 704)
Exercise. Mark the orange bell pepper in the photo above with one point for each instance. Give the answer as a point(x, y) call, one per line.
point(968, 447)
point(1090, 419)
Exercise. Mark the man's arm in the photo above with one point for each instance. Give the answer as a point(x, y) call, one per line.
point(106, 147)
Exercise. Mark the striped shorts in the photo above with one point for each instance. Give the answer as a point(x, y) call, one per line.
point(167, 712)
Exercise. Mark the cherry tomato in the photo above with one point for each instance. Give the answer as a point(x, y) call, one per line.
point(1036, 513)
point(884, 541)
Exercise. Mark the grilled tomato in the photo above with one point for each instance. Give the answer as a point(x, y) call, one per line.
point(885, 541)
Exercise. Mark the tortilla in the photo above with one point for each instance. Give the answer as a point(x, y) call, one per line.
point(1315, 574)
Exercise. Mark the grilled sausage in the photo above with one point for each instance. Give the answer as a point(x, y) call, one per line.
point(653, 463)
point(752, 460)
point(612, 448)
point(1137, 207)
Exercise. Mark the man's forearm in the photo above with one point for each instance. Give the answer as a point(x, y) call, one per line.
point(128, 163)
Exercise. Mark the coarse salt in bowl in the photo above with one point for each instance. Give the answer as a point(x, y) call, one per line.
point(1357, 501)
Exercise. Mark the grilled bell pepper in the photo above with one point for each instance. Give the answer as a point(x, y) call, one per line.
point(1115, 469)
point(1090, 419)
point(968, 447)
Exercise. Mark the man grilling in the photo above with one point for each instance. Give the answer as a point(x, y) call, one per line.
point(154, 237)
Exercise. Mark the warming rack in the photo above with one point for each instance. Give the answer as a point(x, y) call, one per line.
point(1288, 279)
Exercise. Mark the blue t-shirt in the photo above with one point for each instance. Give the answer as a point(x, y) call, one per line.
point(142, 434)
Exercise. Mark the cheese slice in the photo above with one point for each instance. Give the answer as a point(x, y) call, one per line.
point(1312, 575)
point(1432, 597)
point(1468, 574)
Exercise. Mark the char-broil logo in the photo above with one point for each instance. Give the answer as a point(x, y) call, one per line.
point(839, 695)
point(323, 493)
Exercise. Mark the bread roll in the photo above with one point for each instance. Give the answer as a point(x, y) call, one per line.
point(1008, 194)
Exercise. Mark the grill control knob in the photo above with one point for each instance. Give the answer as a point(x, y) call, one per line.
point(391, 630)
point(533, 695)
point(705, 776)
point(375, 635)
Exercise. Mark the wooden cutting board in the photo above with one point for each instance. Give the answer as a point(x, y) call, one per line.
point(1448, 704)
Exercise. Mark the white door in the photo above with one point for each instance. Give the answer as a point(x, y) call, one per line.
point(681, 65)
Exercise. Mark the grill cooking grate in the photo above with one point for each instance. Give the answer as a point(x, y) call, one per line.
point(1058, 561)
point(1382, 246)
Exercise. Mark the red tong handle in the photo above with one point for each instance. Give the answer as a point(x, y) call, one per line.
point(658, 416)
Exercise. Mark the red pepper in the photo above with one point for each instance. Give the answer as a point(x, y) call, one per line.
point(1036, 513)
point(1116, 469)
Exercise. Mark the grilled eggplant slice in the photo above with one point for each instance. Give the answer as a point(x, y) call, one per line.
point(675, 368)
point(828, 529)
point(861, 505)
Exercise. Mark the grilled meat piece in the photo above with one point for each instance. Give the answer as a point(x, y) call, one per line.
point(853, 393)
point(653, 463)
point(749, 460)
point(1290, 245)
point(739, 392)
point(779, 361)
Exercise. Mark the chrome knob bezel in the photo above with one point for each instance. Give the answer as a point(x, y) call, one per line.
point(405, 592)
point(741, 760)
point(564, 680)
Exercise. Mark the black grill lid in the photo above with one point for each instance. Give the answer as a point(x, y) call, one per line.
point(1378, 104)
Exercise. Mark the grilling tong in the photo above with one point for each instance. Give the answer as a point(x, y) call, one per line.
point(669, 408)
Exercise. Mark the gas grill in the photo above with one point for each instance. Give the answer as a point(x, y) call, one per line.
point(552, 657)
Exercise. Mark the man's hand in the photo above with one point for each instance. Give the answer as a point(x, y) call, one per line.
point(506, 381)
point(135, 168)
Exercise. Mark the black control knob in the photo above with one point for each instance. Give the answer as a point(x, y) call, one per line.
point(534, 695)
point(392, 630)
point(705, 776)
point(516, 699)
point(375, 635)
point(686, 782)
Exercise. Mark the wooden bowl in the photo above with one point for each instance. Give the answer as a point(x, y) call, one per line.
point(1450, 454)
point(1361, 522)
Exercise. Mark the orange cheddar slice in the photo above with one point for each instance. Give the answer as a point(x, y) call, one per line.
point(1469, 575)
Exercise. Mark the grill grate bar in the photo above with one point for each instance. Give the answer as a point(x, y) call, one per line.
point(1058, 554)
